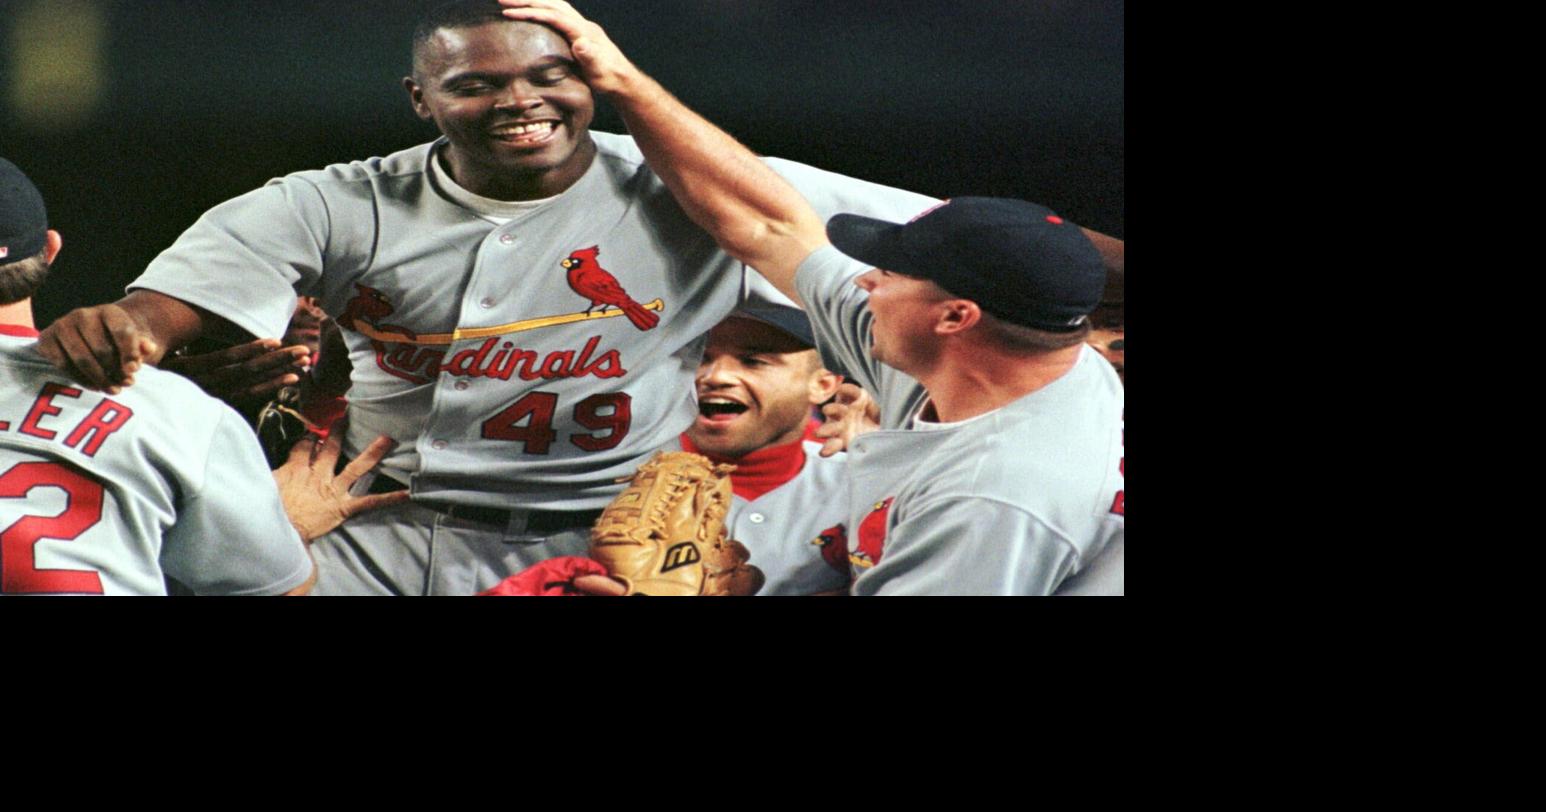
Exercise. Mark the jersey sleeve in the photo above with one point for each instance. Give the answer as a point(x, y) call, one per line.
point(231, 536)
point(246, 259)
point(830, 193)
point(967, 546)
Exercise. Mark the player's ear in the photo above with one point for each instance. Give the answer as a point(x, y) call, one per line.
point(957, 316)
point(823, 385)
point(51, 244)
point(416, 98)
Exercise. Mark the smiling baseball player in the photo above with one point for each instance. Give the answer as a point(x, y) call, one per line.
point(1000, 466)
point(522, 299)
point(759, 378)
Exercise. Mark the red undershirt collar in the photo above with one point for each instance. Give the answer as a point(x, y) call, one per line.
point(18, 331)
point(764, 469)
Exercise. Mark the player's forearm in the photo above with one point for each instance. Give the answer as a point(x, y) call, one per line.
point(754, 214)
point(170, 322)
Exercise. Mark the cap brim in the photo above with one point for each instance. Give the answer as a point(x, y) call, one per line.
point(786, 319)
point(874, 242)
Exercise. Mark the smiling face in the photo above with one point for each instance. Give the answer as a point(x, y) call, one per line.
point(756, 387)
point(507, 96)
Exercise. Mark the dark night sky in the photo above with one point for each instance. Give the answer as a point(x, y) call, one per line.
point(201, 101)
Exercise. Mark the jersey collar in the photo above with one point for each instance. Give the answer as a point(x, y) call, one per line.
point(18, 331)
point(764, 469)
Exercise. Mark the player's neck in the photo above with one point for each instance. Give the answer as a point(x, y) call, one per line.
point(975, 380)
point(494, 184)
point(18, 314)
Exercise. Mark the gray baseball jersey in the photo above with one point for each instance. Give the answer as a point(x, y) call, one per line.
point(107, 494)
point(796, 532)
point(1025, 500)
point(524, 363)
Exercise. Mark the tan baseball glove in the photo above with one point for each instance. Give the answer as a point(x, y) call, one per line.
point(665, 534)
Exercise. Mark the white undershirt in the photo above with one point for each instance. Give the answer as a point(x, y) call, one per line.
point(497, 212)
point(917, 423)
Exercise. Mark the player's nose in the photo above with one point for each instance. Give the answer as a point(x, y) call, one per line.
point(716, 371)
point(518, 98)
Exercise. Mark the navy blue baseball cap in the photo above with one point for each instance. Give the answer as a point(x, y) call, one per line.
point(1017, 260)
point(23, 219)
point(789, 320)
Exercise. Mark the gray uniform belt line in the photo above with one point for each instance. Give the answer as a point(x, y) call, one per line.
point(537, 521)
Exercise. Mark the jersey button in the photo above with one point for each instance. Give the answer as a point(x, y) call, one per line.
point(756, 518)
point(506, 239)
point(439, 445)
point(488, 302)
point(461, 386)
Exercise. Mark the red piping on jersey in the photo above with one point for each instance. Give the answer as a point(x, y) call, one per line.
point(764, 469)
point(18, 331)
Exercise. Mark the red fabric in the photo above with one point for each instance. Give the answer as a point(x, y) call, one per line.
point(764, 469)
point(324, 413)
point(554, 576)
point(18, 331)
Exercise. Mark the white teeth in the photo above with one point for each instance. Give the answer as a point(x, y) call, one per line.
point(720, 400)
point(526, 129)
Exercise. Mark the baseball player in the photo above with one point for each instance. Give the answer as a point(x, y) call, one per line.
point(759, 378)
point(111, 494)
point(523, 302)
point(1000, 465)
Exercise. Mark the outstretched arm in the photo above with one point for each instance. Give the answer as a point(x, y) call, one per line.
point(754, 214)
point(104, 345)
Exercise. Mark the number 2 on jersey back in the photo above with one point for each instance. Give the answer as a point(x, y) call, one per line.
point(610, 413)
point(18, 551)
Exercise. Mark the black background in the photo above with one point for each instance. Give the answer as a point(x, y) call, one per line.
point(202, 101)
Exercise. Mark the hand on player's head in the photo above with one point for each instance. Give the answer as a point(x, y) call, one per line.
point(101, 347)
point(605, 68)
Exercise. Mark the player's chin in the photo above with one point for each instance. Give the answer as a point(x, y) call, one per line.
point(716, 438)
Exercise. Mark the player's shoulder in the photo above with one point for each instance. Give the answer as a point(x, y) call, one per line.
point(617, 149)
point(410, 162)
point(832, 193)
point(154, 390)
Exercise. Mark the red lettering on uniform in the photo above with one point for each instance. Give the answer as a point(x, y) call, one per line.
point(507, 362)
point(608, 366)
point(536, 408)
point(467, 363)
point(411, 359)
point(1119, 505)
point(517, 358)
point(589, 414)
point(558, 365)
point(492, 369)
point(108, 417)
point(384, 362)
point(584, 360)
point(19, 571)
point(44, 407)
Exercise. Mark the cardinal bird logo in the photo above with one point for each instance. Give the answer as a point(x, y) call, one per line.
point(370, 306)
point(834, 547)
point(872, 535)
point(593, 282)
